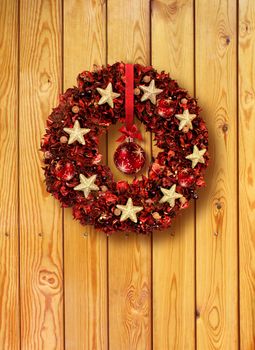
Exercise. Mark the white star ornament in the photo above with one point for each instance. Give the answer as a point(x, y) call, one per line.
point(150, 92)
point(107, 95)
point(129, 211)
point(76, 133)
point(197, 156)
point(87, 184)
point(170, 195)
point(185, 119)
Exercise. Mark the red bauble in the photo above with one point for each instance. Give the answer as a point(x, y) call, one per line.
point(64, 170)
point(129, 157)
point(186, 178)
point(166, 108)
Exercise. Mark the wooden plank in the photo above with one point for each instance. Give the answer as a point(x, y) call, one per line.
point(9, 251)
point(173, 250)
point(129, 258)
point(85, 249)
point(41, 221)
point(216, 78)
point(247, 172)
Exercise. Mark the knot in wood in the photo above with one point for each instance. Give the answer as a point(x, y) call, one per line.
point(49, 282)
point(244, 28)
point(225, 128)
point(227, 39)
point(218, 205)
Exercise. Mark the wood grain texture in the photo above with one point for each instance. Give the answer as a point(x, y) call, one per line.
point(129, 258)
point(129, 292)
point(9, 254)
point(173, 250)
point(85, 253)
point(216, 215)
point(111, 279)
point(41, 262)
point(247, 172)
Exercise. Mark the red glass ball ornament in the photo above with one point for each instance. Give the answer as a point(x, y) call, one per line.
point(129, 157)
point(186, 178)
point(64, 170)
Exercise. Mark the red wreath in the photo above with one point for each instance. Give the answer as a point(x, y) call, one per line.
point(73, 171)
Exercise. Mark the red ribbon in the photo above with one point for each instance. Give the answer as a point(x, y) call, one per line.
point(129, 95)
point(133, 133)
point(130, 130)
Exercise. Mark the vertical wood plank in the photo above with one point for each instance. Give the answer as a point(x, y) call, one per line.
point(40, 224)
point(9, 254)
point(85, 250)
point(129, 258)
point(247, 172)
point(173, 251)
point(217, 286)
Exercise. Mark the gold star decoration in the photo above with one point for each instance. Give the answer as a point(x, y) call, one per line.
point(150, 92)
point(170, 195)
point(185, 119)
point(87, 185)
point(196, 156)
point(129, 210)
point(76, 133)
point(107, 95)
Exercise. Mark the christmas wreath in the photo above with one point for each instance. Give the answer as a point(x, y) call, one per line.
point(73, 170)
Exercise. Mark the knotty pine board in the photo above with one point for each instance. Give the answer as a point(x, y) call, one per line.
point(173, 249)
point(41, 264)
point(247, 172)
point(216, 214)
point(85, 249)
point(129, 257)
point(9, 253)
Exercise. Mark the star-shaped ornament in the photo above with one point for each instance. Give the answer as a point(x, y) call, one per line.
point(107, 95)
point(87, 184)
point(185, 119)
point(170, 195)
point(129, 211)
point(196, 156)
point(150, 92)
point(76, 133)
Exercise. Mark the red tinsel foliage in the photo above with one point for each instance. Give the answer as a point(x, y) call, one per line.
point(64, 162)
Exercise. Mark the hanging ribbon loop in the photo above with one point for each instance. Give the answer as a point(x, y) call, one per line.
point(129, 96)
point(130, 130)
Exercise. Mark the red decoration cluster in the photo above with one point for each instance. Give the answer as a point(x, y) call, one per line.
point(64, 163)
